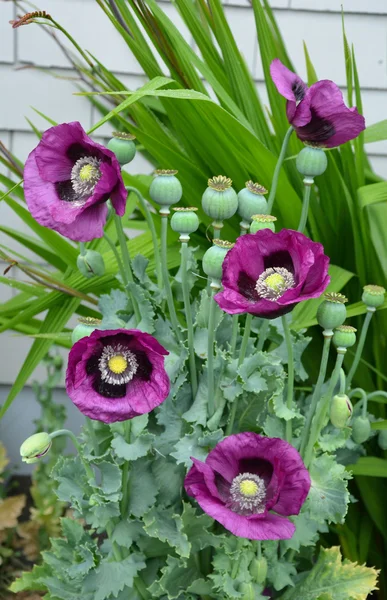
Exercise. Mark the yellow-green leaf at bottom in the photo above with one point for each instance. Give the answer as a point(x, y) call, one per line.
point(334, 579)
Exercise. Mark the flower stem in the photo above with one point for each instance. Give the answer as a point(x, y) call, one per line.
point(234, 335)
point(277, 170)
point(216, 233)
point(74, 440)
point(210, 355)
point(360, 346)
point(305, 206)
point(82, 248)
point(317, 390)
point(188, 314)
point(263, 335)
point(117, 257)
point(125, 474)
point(167, 284)
point(93, 437)
point(126, 261)
point(242, 354)
point(290, 390)
point(322, 409)
point(152, 229)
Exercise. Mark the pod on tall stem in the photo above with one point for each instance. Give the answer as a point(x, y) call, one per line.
point(251, 201)
point(219, 201)
point(310, 163)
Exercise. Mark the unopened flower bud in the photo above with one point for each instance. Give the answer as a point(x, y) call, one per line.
point(220, 200)
point(332, 312)
point(91, 264)
point(311, 162)
point(382, 439)
point(361, 430)
point(85, 327)
point(35, 447)
point(341, 410)
point(344, 336)
point(123, 146)
point(214, 257)
point(166, 189)
point(258, 569)
point(373, 295)
point(247, 590)
point(185, 221)
point(259, 222)
point(251, 201)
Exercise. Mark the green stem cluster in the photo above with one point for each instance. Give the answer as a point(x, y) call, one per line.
point(242, 354)
point(127, 269)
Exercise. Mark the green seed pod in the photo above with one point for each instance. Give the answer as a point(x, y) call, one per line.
point(185, 221)
point(35, 447)
point(214, 257)
point(311, 162)
point(341, 410)
point(123, 146)
point(166, 189)
point(220, 200)
point(382, 439)
point(344, 336)
point(259, 222)
point(332, 312)
point(85, 327)
point(251, 201)
point(258, 569)
point(373, 295)
point(91, 264)
point(361, 430)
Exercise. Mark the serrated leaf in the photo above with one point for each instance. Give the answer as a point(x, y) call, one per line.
point(280, 571)
point(196, 444)
point(176, 577)
point(142, 486)
point(334, 578)
point(126, 532)
point(140, 447)
point(166, 526)
point(110, 578)
point(328, 497)
point(334, 438)
point(196, 528)
point(169, 477)
point(145, 307)
point(111, 478)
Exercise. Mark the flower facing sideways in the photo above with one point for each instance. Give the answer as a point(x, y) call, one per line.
point(250, 484)
point(318, 114)
point(267, 274)
point(115, 375)
point(67, 180)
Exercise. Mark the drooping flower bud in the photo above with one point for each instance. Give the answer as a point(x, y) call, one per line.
point(332, 312)
point(259, 222)
point(311, 162)
point(220, 200)
point(84, 328)
point(185, 221)
point(341, 410)
point(214, 257)
point(35, 447)
point(123, 146)
point(373, 295)
point(344, 336)
point(382, 439)
point(247, 590)
point(251, 201)
point(258, 569)
point(166, 189)
point(361, 430)
point(91, 264)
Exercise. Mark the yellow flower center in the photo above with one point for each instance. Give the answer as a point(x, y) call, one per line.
point(117, 364)
point(87, 172)
point(275, 282)
point(248, 487)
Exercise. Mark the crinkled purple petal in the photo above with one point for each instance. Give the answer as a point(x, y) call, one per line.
point(52, 153)
point(142, 394)
point(289, 85)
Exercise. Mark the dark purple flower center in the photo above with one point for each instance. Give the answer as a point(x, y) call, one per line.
point(298, 90)
point(273, 282)
point(115, 365)
point(317, 131)
point(85, 175)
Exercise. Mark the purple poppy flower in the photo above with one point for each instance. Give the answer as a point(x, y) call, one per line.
point(267, 274)
point(249, 484)
point(117, 375)
point(318, 114)
point(67, 180)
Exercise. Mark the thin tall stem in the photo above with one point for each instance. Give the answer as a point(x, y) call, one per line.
point(234, 335)
point(263, 335)
point(242, 354)
point(188, 314)
point(210, 355)
point(126, 261)
point(277, 170)
point(317, 390)
point(322, 409)
point(117, 257)
point(360, 347)
point(167, 284)
point(305, 207)
point(290, 390)
point(152, 229)
point(82, 248)
point(125, 475)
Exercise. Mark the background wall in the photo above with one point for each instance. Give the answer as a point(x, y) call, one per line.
point(318, 22)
